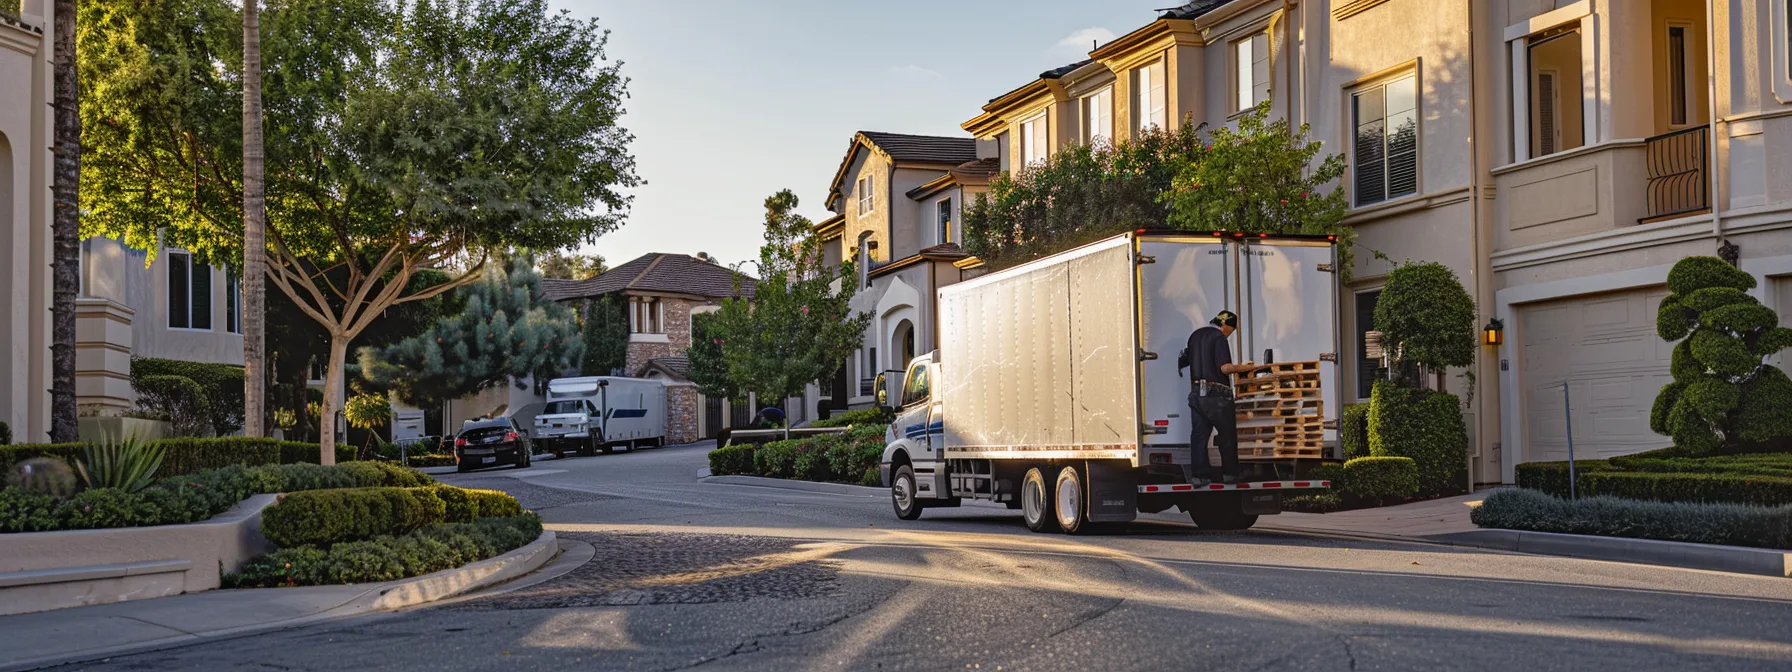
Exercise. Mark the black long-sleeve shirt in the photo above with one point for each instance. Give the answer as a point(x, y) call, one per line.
point(1205, 356)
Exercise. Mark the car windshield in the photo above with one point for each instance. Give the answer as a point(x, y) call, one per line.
point(564, 407)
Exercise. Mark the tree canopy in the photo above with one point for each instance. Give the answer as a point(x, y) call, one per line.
point(570, 265)
point(400, 136)
point(796, 330)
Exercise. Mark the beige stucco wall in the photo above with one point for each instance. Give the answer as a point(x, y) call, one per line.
point(25, 127)
point(868, 164)
point(114, 271)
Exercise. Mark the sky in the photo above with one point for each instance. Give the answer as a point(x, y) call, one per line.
point(731, 101)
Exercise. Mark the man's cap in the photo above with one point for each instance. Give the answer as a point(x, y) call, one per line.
point(1226, 318)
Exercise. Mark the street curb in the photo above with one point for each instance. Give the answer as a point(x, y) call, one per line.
point(385, 597)
point(1734, 559)
point(785, 484)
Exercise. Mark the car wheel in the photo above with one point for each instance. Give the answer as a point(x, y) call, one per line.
point(1036, 502)
point(1070, 505)
point(903, 494)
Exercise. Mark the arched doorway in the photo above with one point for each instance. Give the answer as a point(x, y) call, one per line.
point(902, 343)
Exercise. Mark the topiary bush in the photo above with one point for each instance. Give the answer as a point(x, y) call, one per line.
point(388, 558)
point(1724, 397)
point(1427, 319)
point(876, 415)
point(325, 517)
point(1353, 430)
point(1602, 477)
point(1381, 478)
point(732, 459)
point(1729, 524)
point(222, 384)
point(1425, 426)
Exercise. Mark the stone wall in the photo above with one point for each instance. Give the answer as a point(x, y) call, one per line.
point(677, 314)
point(682, 409)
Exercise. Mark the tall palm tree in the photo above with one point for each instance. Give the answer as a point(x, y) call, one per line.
point(254, 228)
point(65, 227)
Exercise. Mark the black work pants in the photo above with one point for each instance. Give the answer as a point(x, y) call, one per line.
point(1213, 413)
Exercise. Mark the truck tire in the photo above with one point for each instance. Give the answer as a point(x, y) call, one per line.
point(1036, 502)
point(1221, 512)
point(1070, 503)
point(902, 494)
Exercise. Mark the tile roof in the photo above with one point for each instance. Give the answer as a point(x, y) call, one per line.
point(924, 148)
point(655, 272)
point(1054, 73)
point(1192, 9)
point(977, 172)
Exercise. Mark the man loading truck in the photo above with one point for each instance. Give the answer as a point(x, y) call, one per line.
point(1210, 403)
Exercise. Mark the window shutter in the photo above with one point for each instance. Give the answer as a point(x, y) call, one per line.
point(202, 296)
point(179, 293)
point(1546, 113)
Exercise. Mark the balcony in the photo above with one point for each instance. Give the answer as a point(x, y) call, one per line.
point(1677, 183)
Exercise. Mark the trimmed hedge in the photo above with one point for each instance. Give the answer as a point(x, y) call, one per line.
point(1425, 426)
point(221, 385)
point(325, 517)
point(1353, 431)
point(189, 455)
point(850, 457)
point(189, 498)
point(1381, 477)
point(1601, 477)
point(1728, 524)
point(388, 558)
point(864, 416)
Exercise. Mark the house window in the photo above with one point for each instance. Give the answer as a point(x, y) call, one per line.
point(1386, 121)
point(1367, 370)
point(233, 302)
point(1677, 85)
point(1555, 91)
point(943, 213)
point(1033, 140)
point(867, 195)
point(189, 292)
point(1250, 58)
point(1098, 116)
point(645, 316)
point(1148, 97)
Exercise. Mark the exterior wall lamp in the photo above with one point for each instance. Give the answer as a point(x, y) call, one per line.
point(1494, 333)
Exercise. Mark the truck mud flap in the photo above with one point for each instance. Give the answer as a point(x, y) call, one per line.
point(1113, 492)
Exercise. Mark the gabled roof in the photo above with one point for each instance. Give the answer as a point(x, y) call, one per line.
point(903, 148)
point(656, 272)
point(971, 174)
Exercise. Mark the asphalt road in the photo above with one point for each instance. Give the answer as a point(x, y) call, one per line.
point(713, 576)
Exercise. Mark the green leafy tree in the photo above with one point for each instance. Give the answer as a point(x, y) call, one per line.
point(709, 367)
point(399, 137)
point(1261, 177)
point(606, 337)
point(797, 328)
point(1082, 193)
point(507, 330)
point(1426, 319)
point(1723, 396)
point(368, 411)
point(570, 266)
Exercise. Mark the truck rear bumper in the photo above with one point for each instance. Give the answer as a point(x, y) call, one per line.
point(1221, 487)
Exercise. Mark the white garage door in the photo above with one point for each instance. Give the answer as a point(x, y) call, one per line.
point(1605, 348)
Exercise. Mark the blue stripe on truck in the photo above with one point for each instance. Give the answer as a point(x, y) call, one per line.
point(628, 413)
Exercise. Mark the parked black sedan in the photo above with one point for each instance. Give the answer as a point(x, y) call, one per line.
point(489, 443)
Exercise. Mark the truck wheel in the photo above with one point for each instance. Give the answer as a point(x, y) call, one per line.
point(1071, 505)
point(902, 494)
point(1221, 512)
point(1036, 502)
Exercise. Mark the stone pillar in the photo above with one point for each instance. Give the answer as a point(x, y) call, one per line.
point(103, 357)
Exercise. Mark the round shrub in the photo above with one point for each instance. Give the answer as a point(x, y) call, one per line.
point(1426, 316)
point(1381, 477)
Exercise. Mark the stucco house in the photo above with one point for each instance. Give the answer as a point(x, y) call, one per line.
point(660, 292)
point(1558, 155)
point(897, 201)
point(25, 133)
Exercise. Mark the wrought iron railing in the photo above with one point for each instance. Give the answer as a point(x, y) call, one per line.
point(1677, 181)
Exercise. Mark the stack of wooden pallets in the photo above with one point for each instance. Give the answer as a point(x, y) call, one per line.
point(1280, 411)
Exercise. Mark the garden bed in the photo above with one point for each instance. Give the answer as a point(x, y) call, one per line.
point(1725, 524)
point(849, 457)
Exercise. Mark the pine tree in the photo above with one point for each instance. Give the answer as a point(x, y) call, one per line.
point(606, 337)
point(506, 330)
point(1724, 395)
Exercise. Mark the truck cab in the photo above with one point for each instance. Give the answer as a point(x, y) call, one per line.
point(912, 465)
point(569, 425)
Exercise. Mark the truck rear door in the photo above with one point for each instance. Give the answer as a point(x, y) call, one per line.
point(1290, 297)
point(1187, 281)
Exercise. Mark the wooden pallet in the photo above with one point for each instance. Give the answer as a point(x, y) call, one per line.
point(1286, 367)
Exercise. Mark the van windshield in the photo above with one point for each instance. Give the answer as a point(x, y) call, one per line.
point(557, 407)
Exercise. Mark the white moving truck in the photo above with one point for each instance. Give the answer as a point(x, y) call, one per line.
point(1056, 388)
point(595, 413)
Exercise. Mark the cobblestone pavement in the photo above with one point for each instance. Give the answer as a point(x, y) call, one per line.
point(679, 569)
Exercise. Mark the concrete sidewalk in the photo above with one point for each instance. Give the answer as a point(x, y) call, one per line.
point(1429, 518)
